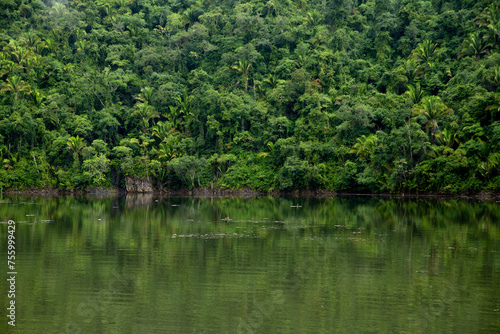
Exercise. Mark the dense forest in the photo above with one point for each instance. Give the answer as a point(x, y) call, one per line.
point(347, 96)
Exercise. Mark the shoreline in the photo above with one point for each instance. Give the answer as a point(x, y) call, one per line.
point(248, 192)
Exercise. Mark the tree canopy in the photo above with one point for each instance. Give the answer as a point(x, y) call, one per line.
point(359, 96)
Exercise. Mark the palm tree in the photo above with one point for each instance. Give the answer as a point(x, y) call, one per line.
point(146, 95)
point(173, 115)
point(51, 45)
point(168, 149)
point(242, 68)
point(447, 137)
point(272, 81)
point(37, 97)
point(184, 104)
point(76, 144)
point(59, 9)
point(425, 51)
point(30, 39)
point(15, 85)
point(270, 147)
point(17, 52)
point(364, 146)
point(145, 113)
point(9, 67)
point(490, 18)
point(162, 130)
point(82, 46)
point(415, 93)
point(31, 63)
point(432, 108)
point(123, 6)
point(489, 159)
point(476, 46)
point(496, 75)
point(312, 19)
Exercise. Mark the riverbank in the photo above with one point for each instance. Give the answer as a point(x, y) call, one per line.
point(248, 192)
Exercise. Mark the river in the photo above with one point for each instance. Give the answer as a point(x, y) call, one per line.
point(150, 264)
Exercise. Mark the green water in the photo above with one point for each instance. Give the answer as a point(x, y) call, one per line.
point(144, 264)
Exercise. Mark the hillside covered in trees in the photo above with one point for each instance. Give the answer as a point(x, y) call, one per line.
point(349, 96)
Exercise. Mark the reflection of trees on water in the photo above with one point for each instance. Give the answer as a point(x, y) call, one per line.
point(369, 225)
point(348, 248)
point(422, 214)
point(138, 200)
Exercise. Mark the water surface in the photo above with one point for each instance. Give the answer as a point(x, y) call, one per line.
point(145, 264)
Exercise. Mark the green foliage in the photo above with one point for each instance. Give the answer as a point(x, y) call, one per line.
point(353, 97)
point(96, 169)
point(188, 169)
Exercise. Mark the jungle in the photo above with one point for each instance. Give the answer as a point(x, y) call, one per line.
point(383, 96)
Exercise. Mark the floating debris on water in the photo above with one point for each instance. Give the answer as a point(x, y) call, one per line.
point(211, 235)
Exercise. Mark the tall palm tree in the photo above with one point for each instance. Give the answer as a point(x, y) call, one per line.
point(432, 108)
point(242, 68)
point(82, 46)
point(184, 104)
point(415, 94)
point(15, 86)
point(174, 113)
point(145, 113)
point(76, 144)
